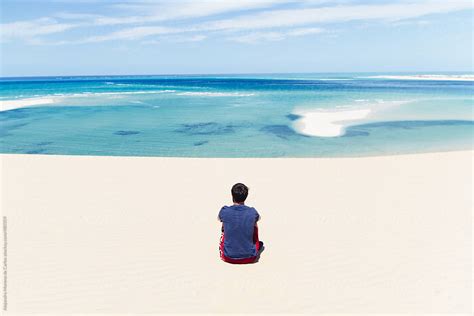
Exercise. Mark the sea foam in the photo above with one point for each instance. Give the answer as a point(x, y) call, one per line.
point(217, 94)
point(86, 93)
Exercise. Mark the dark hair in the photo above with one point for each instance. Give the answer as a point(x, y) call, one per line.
point(239, 192)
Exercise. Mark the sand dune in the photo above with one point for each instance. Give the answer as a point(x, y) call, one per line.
point(139, 235)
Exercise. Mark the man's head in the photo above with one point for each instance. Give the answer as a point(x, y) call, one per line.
point(239, 193)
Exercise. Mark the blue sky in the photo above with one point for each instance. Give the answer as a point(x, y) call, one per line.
point(87, 37)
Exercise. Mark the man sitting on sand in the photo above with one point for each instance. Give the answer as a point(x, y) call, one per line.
point(239, 240)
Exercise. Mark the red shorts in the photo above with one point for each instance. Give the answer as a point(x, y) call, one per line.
point(244, 260)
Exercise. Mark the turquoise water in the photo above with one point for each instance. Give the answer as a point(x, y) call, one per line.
point(232, 116)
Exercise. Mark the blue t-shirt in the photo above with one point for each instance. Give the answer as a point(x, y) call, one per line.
point(239, 222)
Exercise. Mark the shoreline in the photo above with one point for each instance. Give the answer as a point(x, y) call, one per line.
point(439, 152)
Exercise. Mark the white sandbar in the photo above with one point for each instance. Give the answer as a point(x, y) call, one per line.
point(327, 123)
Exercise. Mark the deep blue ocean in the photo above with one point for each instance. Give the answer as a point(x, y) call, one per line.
point(287, 115)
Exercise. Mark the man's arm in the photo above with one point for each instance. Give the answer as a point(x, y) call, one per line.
point(219, 218)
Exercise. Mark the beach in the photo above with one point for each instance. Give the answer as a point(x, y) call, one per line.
point(103, 235)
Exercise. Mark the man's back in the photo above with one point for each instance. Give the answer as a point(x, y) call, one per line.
point(239, 222)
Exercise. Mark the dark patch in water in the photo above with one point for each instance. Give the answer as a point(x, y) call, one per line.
point(13, 126)
point(412, 124)
point(44, 143)
point(14, 114)
point(36, 151)
point(39, 149)
point(209, 128)
point(201, 143)
point(363, 129)
point(354, 133)
point(126, 133)
point(282, 131)
point(6, 128)
point(293, 117)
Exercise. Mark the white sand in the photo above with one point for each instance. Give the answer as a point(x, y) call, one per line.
point(327, 123)
point(6, 105)
point(139, 235)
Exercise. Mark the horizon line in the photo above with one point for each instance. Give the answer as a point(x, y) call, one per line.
point(242, 73)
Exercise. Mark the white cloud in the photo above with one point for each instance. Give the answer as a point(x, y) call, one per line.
point(27, 30)
point(157, 11)
point(177, 39)
point(410, 23)
point(193, 38)
point(150, 12)
point(335, 14)
point(132, 34)
point(255, 16)
point(76, 16)
point(274, 36)
point(305, 31)
point(289, 18)
point(258, 37)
